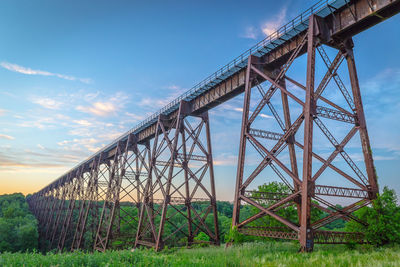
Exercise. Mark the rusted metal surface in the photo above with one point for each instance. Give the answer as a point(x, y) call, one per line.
point(307, 193)
point(88, 201)
point(179, 148)
point(368, 13)
point(143, 177)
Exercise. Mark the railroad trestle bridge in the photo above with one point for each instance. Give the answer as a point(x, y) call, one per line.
point(163, 168)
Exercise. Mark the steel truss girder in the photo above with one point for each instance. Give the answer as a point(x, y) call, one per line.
point(304, 188)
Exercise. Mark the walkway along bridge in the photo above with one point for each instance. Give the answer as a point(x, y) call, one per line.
point(163, 167)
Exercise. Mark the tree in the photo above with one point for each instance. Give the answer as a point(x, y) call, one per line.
point(383, 219)
point(18, 227)
point(289, 212)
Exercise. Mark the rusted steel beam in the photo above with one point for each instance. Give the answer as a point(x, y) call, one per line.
point(336, 191)
point(331, 237)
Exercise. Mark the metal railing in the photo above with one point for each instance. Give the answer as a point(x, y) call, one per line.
point(228, 70)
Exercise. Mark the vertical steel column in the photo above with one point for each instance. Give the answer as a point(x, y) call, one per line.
point(242, 145)
point(290, 142)
point(212, 180)
point(362, 125)
point(306, 235)
point(187, 191)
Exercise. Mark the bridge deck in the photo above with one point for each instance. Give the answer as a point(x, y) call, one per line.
point(347, 19)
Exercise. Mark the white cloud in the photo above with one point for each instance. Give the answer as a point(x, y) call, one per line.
point(102, 109)
point(61, 117)
point(262, 115)
point(225, 160)
point(155, 103)
point(105, 108)
point(174, 87)
point(89, 143)
point(40, 146)
point(82, 122)
point(250, 33)
point(270, 26)
point(152, 102)
point(8, 137)
point(47, 102)
point(2, 112)
point(134, 117)
point(29, 71)
point(265, 116)
point(91, 96)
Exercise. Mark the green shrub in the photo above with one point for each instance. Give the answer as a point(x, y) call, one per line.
point(383, 220)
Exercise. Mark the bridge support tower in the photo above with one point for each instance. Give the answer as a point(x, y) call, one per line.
point(181, 185)
point(306, 119)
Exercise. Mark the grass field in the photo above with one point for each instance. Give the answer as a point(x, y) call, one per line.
point(248, 254)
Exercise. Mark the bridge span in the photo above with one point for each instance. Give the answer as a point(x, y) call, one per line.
point(163, 167)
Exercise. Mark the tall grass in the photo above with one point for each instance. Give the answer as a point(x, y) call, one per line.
point(248, 254)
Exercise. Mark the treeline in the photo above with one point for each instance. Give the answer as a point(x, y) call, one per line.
point(18, 227)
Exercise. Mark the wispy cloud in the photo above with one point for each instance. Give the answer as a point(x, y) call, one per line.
point(273, 24)
point(47, 102)
point(90, 143)
point(262, 115)
point(8, 137)
point(154, 102)
point(2, 112)
point(250, 32)
point(265, 116)
point(33, 160)
point(174, 87)
point(82, 122)
point(102, 109)
point(40, 146)
point(29, 71)
point(134, 117)
point(105, 108)
point(225, 159)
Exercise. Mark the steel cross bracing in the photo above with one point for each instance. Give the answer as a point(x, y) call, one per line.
point(180, 164)
point(144, 187)
point(346, 18)
point(278, 149)
point(138, 180)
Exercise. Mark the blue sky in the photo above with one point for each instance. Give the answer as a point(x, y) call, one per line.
point(74, 75)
